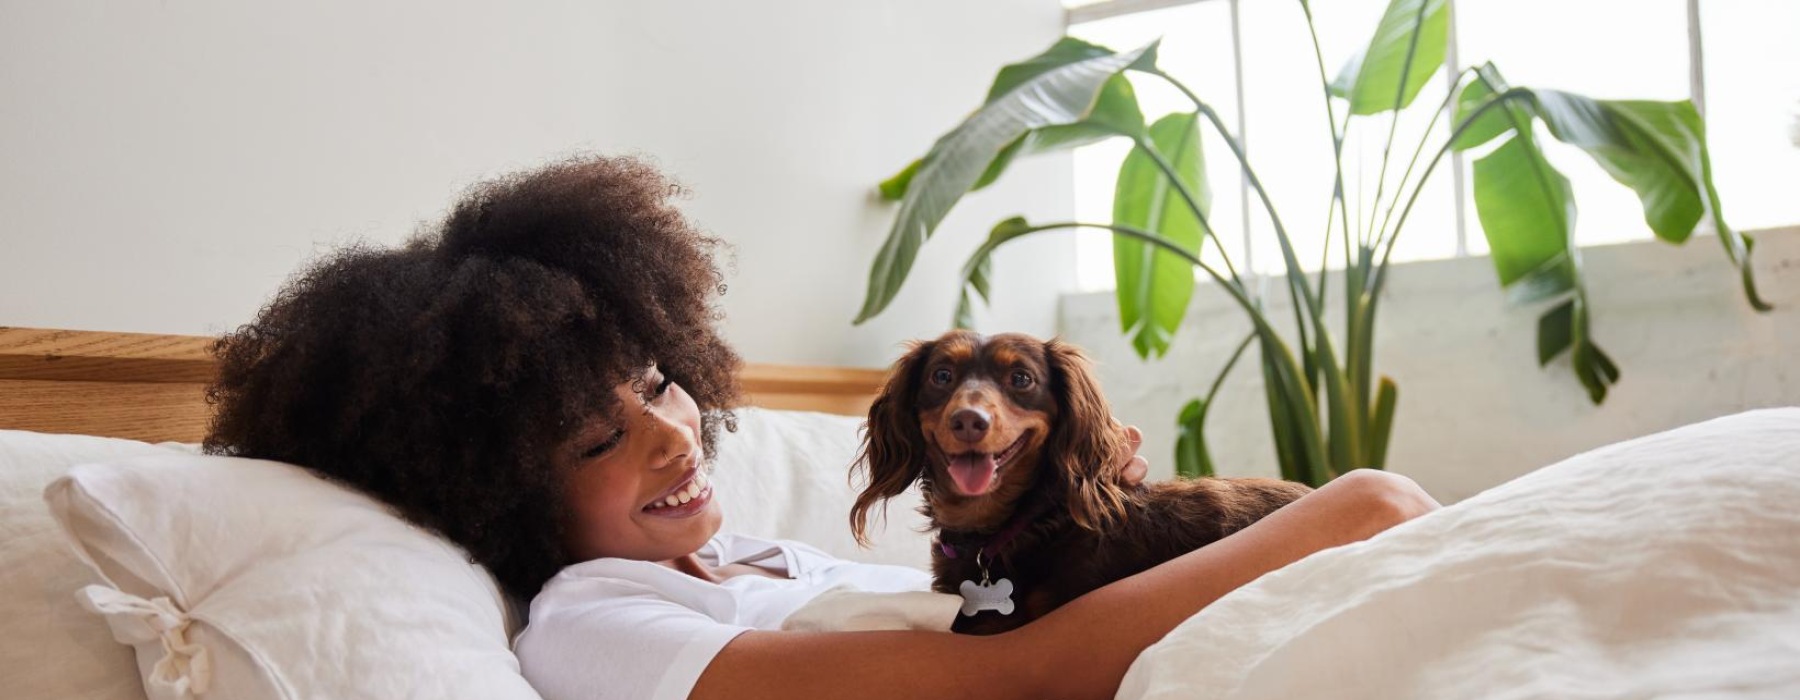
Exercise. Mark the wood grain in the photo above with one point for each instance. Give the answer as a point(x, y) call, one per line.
point(152, 387)
point(38, 353)
point(147, 411)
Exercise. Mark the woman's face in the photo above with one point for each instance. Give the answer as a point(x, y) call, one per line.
point(637, 487)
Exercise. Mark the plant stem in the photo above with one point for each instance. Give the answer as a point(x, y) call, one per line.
point(1301, 289)
point(1412, 49)
point(1381, 233)
point(1206, 404)
point(1193, 203)
point(1158, 241)
point(1337, 157)
point(1220, 380)
point(1322, 356)
point(1511, 94)
point(1289, 374)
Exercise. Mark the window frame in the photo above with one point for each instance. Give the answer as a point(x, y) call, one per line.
point(1107, 9)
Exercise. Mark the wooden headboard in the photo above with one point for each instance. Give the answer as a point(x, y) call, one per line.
point(152, 387)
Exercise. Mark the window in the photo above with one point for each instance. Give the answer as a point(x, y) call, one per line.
point(1197, 50)
point(1750, 93)
point(1752, 100)
point(1586, 50)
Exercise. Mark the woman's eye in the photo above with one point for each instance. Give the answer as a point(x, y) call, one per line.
point(663, 387)
point(940, 376)
point(605, 446)
point(1021, 379)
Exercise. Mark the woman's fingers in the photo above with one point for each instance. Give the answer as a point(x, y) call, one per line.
point(1135, 467)
point(1136, 470)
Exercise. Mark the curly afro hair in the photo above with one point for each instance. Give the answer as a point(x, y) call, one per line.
point(440, 377)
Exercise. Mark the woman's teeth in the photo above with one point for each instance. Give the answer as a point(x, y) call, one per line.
point(693, 490)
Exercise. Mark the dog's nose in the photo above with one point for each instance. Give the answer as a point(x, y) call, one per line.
point(969, 424)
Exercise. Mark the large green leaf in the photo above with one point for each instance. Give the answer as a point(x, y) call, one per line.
point(1526, 209)
point(1528, 214)
point(1154, 286)
point(1494, 122)
point(1658, 149)
point(1556, 331)
point(1115, 113)
point(1065, 51)
point(1565, 327)
point(1408, 46)
point(980, 268)
point(894, 188)
point(1067, 94)
point(1191, 457)
point(1643, 145)
point(1592, 366)
point(1738, 245)
point(976, 281)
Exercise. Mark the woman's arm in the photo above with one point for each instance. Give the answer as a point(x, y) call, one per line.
point(1082, 649)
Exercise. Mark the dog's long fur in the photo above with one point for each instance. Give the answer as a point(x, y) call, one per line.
point(1095, 527)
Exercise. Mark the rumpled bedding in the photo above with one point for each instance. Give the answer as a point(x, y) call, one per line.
point(1664, 567)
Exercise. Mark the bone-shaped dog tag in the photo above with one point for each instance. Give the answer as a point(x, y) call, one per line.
point(996, 596)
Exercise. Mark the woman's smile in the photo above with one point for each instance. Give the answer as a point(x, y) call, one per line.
point(687, 498)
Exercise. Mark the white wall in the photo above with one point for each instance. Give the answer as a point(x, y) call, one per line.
point(164, 166)
point(1475, 409)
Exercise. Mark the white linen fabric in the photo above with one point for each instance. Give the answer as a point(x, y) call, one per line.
point(786, 474)
point(1666, 567)
point(238, 578)
point(635, 630)
point(52, 648)
point(847, 610)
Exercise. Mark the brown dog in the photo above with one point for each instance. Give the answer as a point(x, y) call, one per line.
point(1019, 460)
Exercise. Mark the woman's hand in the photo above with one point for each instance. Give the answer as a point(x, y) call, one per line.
point(1136, 467)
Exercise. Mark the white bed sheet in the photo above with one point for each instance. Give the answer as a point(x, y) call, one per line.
point(1664, 567)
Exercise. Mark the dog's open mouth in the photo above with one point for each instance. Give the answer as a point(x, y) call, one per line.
point(974, 473)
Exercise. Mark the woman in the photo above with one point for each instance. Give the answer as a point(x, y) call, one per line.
point(541, 381)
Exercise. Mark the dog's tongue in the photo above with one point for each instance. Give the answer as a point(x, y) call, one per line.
point(973, 473)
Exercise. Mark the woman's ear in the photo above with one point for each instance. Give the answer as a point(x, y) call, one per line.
point(893, 448)
point(1089, 448)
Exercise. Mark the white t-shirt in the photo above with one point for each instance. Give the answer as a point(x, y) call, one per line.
point(637, 630)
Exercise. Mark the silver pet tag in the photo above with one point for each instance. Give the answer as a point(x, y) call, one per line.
point(996, 596)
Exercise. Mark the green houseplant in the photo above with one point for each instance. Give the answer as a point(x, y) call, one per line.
point(1328, 409)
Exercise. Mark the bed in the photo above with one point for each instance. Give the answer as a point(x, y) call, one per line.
point(1662, 567)
point(125, 409)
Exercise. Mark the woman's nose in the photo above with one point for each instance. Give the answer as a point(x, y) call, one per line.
point(676, 443)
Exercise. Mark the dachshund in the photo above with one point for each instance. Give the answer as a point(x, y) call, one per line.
point(1021, 467)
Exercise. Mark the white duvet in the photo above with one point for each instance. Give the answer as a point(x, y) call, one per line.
point(1664, 567)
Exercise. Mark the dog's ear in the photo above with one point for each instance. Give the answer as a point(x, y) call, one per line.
point(1088, 448)
point(893, 447)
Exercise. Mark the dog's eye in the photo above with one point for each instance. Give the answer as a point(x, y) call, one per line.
point(1021, 379)
point(940, 376)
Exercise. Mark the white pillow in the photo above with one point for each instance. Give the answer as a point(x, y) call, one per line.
point(239, 578)
point(786, 474)
point(299, 588)
point(52, 648)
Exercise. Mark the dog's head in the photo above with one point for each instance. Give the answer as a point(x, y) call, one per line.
point(981, 421)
